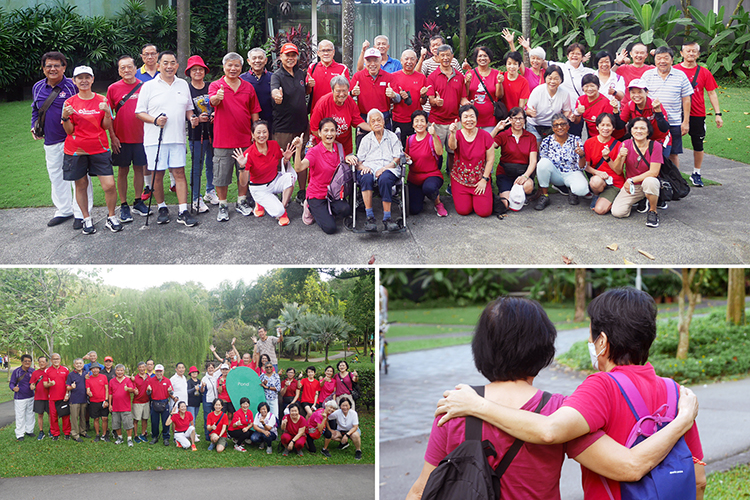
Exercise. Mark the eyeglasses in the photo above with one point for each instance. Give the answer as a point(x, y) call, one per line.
point(53, 66)
point(517, 118)
point(559, 125)
point(325, 51)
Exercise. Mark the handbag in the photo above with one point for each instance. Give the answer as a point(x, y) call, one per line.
point(501, 111)
point(39, 123)
point(62, 408)
point(159, 406)
point(353, 388)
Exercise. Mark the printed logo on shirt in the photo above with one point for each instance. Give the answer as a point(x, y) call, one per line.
point(88, 111)
point(382, 84)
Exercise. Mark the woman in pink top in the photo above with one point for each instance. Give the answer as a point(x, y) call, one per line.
point(327, 387)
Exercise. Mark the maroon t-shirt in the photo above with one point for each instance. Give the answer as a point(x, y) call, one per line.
point(372, 90)
point(512, 151)
point(141, 384)
point(451, 90)
point(423, 162)
point(160, 388)
point(233, 115)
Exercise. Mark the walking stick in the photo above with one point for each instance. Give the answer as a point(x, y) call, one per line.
point(153, 174)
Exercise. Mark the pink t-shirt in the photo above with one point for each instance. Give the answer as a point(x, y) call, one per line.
point(326, 389)
point(634, 165)
point(322, 165)
point(533, 79)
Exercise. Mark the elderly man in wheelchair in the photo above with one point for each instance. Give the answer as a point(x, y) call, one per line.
point(378, 161)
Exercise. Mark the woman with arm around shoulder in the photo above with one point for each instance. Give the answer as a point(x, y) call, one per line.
point(601, 150)
point(425, 178)
point(472, 166)
point(518, 154)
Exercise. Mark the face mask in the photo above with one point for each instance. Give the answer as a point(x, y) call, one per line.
point(594, 356)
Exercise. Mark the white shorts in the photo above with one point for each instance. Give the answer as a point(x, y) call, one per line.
point(184, 437)
point(170, 156)
point(265, 196)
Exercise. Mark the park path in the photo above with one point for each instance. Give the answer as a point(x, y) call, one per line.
point(416, 380)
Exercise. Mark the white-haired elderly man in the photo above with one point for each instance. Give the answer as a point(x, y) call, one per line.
point(236, 107)
point(377, 160)
point(260, 78)
point(341, 107)
point(320, 73)
point(413, 91)
point(382, 44)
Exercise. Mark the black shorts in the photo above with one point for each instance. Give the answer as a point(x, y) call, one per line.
point(41, 406)
point(77, 166)
point(697, 132)
point(228, 406)
point(512, 172)
point(96, 410)
point(676, 132)
point(130, 154)
point(305, 406)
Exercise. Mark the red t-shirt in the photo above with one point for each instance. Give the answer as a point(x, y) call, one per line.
point(263, 167)
point(593, 109)
point(213, 419)
point(240, 419)
point(141, 384)
point(322, 76)
point(478, 93)
point(515, 91)
point(593, 149)
point(221, 389)
point(89, 136)
point(423, 162)
point(128, 128)
point(372, 90)
point(293, 428)
point(451, 91)
point(98, 386)
point(322, 165)
point(160, 388)
point(630, 73)
point(599, 401)
point(413, 84)
point(469, 156)
point(308, 388)
point(705, 81)
point(40, 393)
point(120, 397)
point(233, 115)
point(535, 471)
point(181, 424)
point(59, 375)
point(291, 390)
point(512, 151)
point(347, 118)
point(630, 110)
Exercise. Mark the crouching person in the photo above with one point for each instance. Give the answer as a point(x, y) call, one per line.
point(184, 430)
point(217, 423)
point(294, 428)
point(264, 426)
point(317, 427)
point(347, 425)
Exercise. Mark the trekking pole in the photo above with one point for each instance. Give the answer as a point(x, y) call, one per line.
point(153, 174)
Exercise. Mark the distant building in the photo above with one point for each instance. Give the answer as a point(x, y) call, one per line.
point(106, 8)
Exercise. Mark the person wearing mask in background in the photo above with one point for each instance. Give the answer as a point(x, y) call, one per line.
point(200, 135)
point(76, 387)
point(23, 398)
point(41, 395)
point(54, 380)
point(97, 388)
point(260, 78)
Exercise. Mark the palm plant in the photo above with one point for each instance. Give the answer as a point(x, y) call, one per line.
point(290, 321)
point(326, 329)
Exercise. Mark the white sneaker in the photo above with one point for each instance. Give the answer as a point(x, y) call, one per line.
point(211, 197)
point(239, 448)
point(200, 206)
point(197, 439)
point(223, 214)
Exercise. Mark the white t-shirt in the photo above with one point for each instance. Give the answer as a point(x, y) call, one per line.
point(615, 81)
point(270, 420)
point(346, 422)
point(156, 97)
point(211, 392)
point(547, 105)
point(179, 384)
point(572, 81)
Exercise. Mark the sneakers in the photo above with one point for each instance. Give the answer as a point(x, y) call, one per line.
point(223, 213)
point(240, 448)
point(642, 206)
point(187, 219)
point(193, 447)
point(448, 190)
point(78, 440)
point(141, 208)
point(125, 215)
point(661, 204)
point(146, 193)
point(343, 446)
point(77, 224)
point(307, 216)
point(197, 439)
point(178, 444)
point(40, 436)
point(285, 453)
point(54, 438)
point(67, 437)
point(97, 438)
point(244, 208)
point(200, 206)
point(391, 226)
point(259, 211)
point(211, 447)
point(173, 188)
point(105, 438)
point(573, 199)
point(371, 226)
point(542, 203)
point(326, 453)
point(118, 440)
point(652, 219)
point(696, 180)
point(130, 443)
point(284, 220)
point(166, 442)
point(563, 190)
point(358, 455)
point(19, 439)
point(440, 209)
point(163, 217)
point(211, 197)
point(153, 441)
point(113, 223)
point(59, 219)
point(300, 453)
point(269, 450)
point(301, 196)
point(88, 227)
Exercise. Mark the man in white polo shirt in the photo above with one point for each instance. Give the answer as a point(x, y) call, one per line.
point(163, 105)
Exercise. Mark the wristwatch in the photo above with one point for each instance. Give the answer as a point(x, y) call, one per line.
point(486, 179)
point(68, 118)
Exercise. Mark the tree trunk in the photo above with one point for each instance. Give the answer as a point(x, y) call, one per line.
point(580, 295)
point(526, 26)
point(232, 26)
point(307, 352)
point(462, 31)
point(183, 32)
point(736, 296)
point(688, 291)
point(326, 352)
point(347, 34)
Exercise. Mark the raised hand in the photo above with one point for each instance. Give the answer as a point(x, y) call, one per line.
point(580, 109)
point(389, 92)
point(288, 152)
point(467, 77)
point(656, 104)
point(465, 66)
point(431, 129)
point(67, 111)
point(579, 150)
point(423, 53)
point(453, 126)
point(623, 151)
point(355, 90)
point(438, 100)
point(507, 35)
point(605, 150)
point(365, 45)
point(524, 42)
point(103, 106)
point(424, 90)
point(530, 111)
point(500, 77)
point(311, 82)
point(621, 56)
point(277, 95)
point(586, 57)
point(297, 141)
point(239, 157)
point(220, 93)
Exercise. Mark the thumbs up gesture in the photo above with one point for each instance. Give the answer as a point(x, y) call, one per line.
point(220, 93)
point(465, 65)
point(278, 95)
point(389, 91)
point(580, 109)
point(424, 90)
point(623, 152)
point(355, 90)
point(103, 106)
point(530, 111)
point(431, 129)
point(500, 77)
point(656, 104)
point(68, 110)
point(438, 100)
point(453, 126)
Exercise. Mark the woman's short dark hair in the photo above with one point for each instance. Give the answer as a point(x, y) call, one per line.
point(554, 68)
point(310, 368)
point(260, 122)
point(628, 317)
point(261, 405)
point(344, 361)
point(345, 398)
point(327, 367)
point(295, 405)
point(590, 78)
point(422, 113)
point(291, 369)
point(601, 55)
point(517, 111)
point(245, 400)
point(213, 403)
point(574, 46)
point(602, 116)
point(641, 119)
point(180, 403)
point(467, 107)
point(484, 49)
point(267, 357)
point(513, 340)
point(515, 55)
point(325, 120)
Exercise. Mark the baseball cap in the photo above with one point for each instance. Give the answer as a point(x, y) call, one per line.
point(81, 70)
point(637, 84)
point(108, 358)
point(159, 368)
point(373, 52)
point(517, 198)
point(193, 369)
point(195, 61)
point(289, 47)
point(224, 365)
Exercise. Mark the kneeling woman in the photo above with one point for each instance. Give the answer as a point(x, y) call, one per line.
point(518, 154)
point(241, 427)
point(600, 150)
point(184, 430)
point(472, 166)
point(216, 426)
point(322, 161)
point(264, 427)
point(294, 429)
point(260, 162)
point(424, 179)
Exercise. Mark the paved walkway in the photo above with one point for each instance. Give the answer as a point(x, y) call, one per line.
point(711, 226)
point(420, 378)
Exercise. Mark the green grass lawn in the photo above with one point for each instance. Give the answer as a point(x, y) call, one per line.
point(730, 485)
point(5, 393)
point(20, 153)
point(47, 457)
point(418, 345)
point(419, 331)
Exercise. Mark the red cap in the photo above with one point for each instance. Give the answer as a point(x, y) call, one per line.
point(289, 47)
point(195, 61)
point(193, 369)
point(109, 358)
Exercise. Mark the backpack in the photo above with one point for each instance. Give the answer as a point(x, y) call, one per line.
point(410, 142)
point(674, 477)
point(671, 175)
point(465, 472)
point(342, 182)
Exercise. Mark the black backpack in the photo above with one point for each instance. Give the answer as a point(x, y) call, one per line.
point(465, 472)
point(673, 186)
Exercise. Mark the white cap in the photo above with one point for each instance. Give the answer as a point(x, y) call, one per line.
point(224, 365)
point(81, 70)
point(517, 198)
point(638, 84)
point(372, 52)
point(159, 368)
